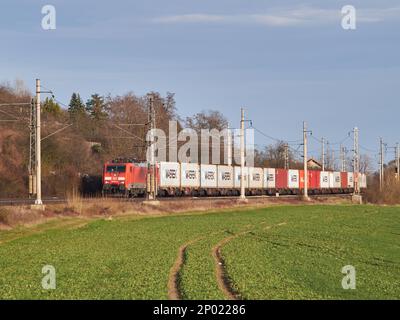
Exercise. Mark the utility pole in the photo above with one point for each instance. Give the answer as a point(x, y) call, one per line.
point(286, 146)
point(154, 171)
point(151, 167)
point(343, 158)
point(356, 162)
point(323, 154)
point(328, 156)
point(305, 161)
point(38, 163)
point(229, 143)
point(397, 162)
point(381, 166)
point(32, 150)
point(242, 186)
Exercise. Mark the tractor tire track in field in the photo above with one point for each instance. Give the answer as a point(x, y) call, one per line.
point(174, 286)
point(223, 280)
point(174, 290)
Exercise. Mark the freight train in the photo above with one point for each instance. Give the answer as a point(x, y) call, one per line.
point(190, 179)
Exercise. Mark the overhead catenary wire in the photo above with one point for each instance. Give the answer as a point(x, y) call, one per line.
point(14, 117)
point(292, 144)
point(368, 150)
point(332, 143)
point(275, 139)
point(210, 135)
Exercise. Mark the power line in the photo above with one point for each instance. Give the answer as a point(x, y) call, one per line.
point(331, 143)
point(275, 139)
point(368, 150)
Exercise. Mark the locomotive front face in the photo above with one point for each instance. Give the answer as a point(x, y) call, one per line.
point(114, 176)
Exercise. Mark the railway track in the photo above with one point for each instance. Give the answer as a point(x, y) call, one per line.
point(22, 202)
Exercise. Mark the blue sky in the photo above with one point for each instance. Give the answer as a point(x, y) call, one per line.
point(285, 61)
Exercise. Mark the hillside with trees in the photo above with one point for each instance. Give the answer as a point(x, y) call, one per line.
point(77, 138)
point(80, 137)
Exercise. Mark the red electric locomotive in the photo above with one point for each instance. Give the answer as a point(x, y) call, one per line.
point(125, 176)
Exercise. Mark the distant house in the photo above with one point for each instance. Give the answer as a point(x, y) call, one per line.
point(314, 164)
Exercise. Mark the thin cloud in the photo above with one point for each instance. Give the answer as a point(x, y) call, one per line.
point(191, 18)
point(282, 17)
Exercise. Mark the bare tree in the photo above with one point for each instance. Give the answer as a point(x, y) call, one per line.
point(208, 120)
point(273, 156)
point(365, 164)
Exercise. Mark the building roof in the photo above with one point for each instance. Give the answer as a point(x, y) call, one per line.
point(314, 162)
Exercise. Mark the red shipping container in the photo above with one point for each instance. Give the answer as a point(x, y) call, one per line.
point(314, 178)
point(281, 178)
point(301, 182)
point(343, 177)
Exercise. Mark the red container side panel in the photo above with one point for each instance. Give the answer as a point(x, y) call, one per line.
point(301, 182)
point(343, 177)
point(314, 179)
point(281, 179)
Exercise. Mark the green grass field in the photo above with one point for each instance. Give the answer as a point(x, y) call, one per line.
point(288, 252)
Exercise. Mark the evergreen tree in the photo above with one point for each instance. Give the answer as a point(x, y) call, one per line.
point(76, 106)
point(51, 107)
point(96, 107)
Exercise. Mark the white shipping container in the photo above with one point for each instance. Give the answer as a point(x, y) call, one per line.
point(337, 181)
point(190, 175)
point(350, 180)
point(237, 173)
point(170, 174)
point(208, 175)
point(225, 177)
point(294, 179)
point(324, 180)
point(269, 178)
point(331, 180)
point(256, 178)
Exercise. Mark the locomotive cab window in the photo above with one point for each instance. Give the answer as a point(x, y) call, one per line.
point(115, 168)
